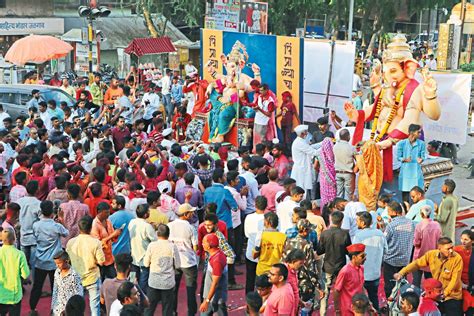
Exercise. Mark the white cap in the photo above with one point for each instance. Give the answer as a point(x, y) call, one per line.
point(167, 132)
point(300, 129)
point(426, 210)
point(164, 186)
point(275, 141)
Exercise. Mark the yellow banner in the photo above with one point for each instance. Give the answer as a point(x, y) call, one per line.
point(212, 50)
point(288, 69)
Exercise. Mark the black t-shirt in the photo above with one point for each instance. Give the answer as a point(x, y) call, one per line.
point(333, 243)
point(318, 136)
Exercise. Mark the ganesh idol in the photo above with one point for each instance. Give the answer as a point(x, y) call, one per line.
point(399, 100)
point(227, 90)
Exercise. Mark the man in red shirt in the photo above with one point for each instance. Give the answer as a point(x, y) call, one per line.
point(350, 280)
point(157, 133)
point(270, 189)
point(119, 133)
point(280, 161)
point(433, 292)
point(288, 113)
point(103, 230)
point(282, 300)
point(203, 230)
point(215, 279)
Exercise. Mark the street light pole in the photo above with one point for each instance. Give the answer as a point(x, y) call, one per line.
point(91, 13)
point(351, 18)
point(90, 38)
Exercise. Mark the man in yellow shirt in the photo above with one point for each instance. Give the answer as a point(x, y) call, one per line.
point(446, 266)
point(156, 217)
point(86, 255)
point(269, 245)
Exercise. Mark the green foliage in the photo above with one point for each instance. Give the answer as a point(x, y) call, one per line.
point(467, 67)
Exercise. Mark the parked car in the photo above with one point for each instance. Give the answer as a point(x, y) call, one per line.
point(14, 97)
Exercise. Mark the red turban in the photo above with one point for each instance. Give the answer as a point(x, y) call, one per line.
point(354, 248)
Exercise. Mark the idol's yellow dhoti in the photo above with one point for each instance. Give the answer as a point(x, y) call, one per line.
point(370, 175)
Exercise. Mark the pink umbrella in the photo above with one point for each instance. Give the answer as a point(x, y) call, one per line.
point(37, 49)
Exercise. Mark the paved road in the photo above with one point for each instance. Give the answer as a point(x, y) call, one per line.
point(464, 186)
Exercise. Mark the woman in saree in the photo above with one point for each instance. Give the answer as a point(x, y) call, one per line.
point(467, 276)
point(327, 172)
point(370, 168)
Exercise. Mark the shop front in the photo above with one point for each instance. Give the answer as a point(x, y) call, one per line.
point(12, 29)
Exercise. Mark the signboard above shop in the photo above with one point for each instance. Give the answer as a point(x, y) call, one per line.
point(18, 26)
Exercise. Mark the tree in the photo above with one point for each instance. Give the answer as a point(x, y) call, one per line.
point(157, 13)
point(285, 16)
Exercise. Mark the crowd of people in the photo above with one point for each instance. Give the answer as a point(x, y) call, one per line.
point(110, 198)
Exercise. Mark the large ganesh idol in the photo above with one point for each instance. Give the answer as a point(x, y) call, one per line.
point(399, 100)
point(227, 90)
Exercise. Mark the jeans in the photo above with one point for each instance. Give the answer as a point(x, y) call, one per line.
point(10, 309)
point(238, 242)
point(219, 300)
point(372, 288)
point(345, 183)
point(190, 277)
point(451, 307)
point(231, 267)
point(166, 297)
point(328, 283)
point(142, 277)
point(220, 309)
point(417, 275)
point(30, 254)
point(40, 276)
point(108, 272)
point(169, 107)
point(250, 275)
point(388, 272)
point(94, 297)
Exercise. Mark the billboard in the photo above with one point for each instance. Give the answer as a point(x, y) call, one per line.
point(253, 17)
point(225, 14)
point(280, 59)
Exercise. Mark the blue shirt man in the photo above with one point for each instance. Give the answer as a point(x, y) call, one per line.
point(411, 153)
point(176, 92)
point(224, 200)
point(118, 219)
point(418, 197)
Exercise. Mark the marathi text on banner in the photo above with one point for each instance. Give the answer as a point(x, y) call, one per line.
point(211, 52)
point(288, 65)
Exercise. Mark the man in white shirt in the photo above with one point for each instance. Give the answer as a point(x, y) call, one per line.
point(168, 140)
point(3, 115)
point(431, 63)
point(303, 154)
point(356, 82)
point(127, 294)
point(350, 210)
point(263, 111)
point(166, 92)
point(184, 236)
point(233, 181)
point(150, 103)
point(141, 235)
point(251, 183)
point(44, 115)
point(189, 68)
point(253, 225)
point(375, 247)
point(285, 209)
